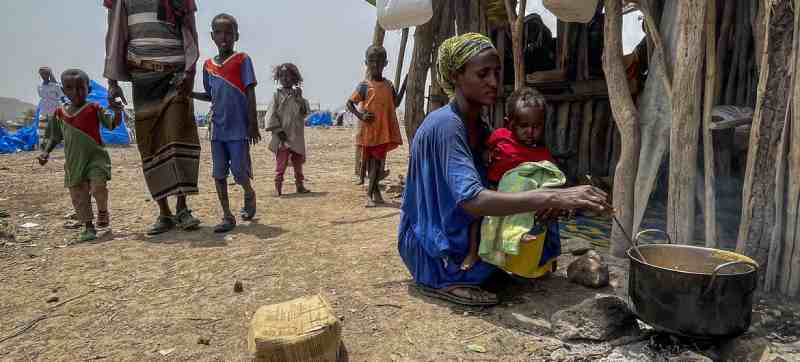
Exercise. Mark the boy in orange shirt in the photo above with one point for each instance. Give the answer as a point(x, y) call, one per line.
point(380, 131)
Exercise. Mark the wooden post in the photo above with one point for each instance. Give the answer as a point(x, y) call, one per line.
point(758, 193)
point(401, 57)
point(626, 117)
point(658, 44)
point(516, 19)
point(790, 273)
point(499, 107)
point(444, 28)
point(681, 204)
point(418, 73)
point(708, 141)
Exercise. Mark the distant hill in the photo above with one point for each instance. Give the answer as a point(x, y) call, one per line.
point(11, 108)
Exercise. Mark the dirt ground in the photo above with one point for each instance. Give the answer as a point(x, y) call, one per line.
point(129, 297)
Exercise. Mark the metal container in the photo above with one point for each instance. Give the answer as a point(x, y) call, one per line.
point(692, 291)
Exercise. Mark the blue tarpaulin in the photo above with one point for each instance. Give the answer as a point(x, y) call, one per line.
point(27, 138)
point(320, 119)
point(118, 136)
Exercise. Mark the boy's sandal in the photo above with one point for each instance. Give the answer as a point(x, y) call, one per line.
point(467, 295)
point(103, 219)
point(72, 225)
point(185, 221)
point(228, 224)
point(302, 190)
point(87, 235)
point(162, 225)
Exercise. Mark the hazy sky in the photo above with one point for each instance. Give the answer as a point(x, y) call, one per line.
point(325, 38)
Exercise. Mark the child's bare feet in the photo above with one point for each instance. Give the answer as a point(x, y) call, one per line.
point(469, 261)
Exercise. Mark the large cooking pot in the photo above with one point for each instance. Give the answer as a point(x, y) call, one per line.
point(692, 291)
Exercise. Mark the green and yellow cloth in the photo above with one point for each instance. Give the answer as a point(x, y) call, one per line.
point(456, 52)
point(501, 235)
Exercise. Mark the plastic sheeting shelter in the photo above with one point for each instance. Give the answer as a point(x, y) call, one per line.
point(117, 136)
point(320, 119)
point(27, 138)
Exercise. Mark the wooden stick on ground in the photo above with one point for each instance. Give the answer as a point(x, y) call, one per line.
point(708, 140)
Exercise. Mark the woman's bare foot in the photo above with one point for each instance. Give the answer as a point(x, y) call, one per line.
point(469, 261)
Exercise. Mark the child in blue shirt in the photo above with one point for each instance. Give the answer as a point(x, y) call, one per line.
point(229, 80)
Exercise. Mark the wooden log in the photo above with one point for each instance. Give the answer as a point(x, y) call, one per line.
point(516, 18)
point(775, 258)
point(444, 27)
point(708, 141)
point(599, 145)
point(499, 107)
point(686, 112)
point(562, 129)
point(585, 144)
point(659, 55)
point(573, 139)
point(418, 74)
point(758, 215)
point(401, 58)
point(469, 17)
point(626, 117)
point(790, 285)
point(722, 47)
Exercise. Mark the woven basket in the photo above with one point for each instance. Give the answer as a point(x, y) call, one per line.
point(304, 329)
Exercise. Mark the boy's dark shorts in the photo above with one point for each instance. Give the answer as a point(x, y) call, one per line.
point(233, 156)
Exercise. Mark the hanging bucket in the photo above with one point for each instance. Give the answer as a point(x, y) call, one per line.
point(400, 14)
point(572, 11)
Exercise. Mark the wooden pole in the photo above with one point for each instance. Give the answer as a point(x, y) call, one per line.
point(790, 285)
point(516, 19)
point(686, 118)
point(658, 44)
point(626, 117)
point(401, 57)
point(708, 141)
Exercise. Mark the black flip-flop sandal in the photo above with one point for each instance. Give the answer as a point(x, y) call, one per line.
point(185, 221)
point(447, 295)
point(162, 225)
point(227, 225)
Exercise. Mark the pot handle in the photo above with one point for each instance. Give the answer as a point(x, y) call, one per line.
point(725, 265)
point(650, 231)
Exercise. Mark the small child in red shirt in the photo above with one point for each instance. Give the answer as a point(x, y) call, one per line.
point(522, 140)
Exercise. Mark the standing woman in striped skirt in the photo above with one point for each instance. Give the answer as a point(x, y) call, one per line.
point(153, 45)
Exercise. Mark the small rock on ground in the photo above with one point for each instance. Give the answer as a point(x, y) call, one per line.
point(589, 270)
point(601, 318)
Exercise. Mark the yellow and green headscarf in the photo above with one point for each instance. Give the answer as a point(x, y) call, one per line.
point(455, 52)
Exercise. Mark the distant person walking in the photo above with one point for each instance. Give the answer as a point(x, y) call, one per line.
point(51, 97)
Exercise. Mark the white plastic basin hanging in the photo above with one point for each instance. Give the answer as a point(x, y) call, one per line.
point(399, 14)
point(572, 11)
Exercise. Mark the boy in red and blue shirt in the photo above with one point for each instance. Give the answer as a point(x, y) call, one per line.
point(229, 80)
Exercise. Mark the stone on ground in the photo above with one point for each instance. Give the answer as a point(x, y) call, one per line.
point(589, 270)
point(304, 329)
point(601, 318)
